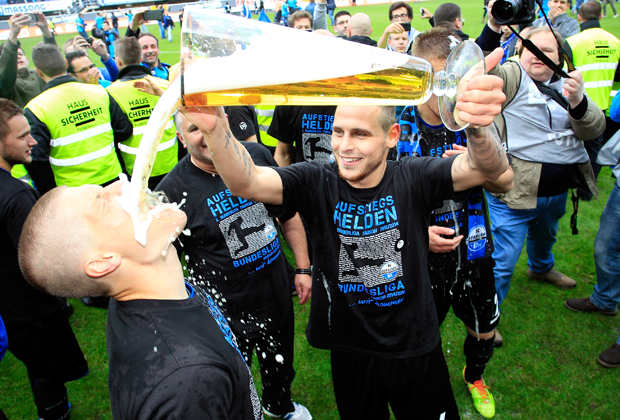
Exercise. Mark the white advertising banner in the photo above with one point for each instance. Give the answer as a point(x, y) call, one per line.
point(39, 6)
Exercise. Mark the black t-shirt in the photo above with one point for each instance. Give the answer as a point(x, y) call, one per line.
point(309, 128)
point(19, 302)
point(243, 122)
point(234, 249)
point(371, 293)
point(418, 138)
point(176, 359)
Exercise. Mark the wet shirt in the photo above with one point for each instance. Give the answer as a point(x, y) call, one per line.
point(308, 128)
point(176, 359)
point(234, 250)
point(469, 218)
point(371, 294)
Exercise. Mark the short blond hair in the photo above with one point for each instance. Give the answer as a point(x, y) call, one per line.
point(53, 248)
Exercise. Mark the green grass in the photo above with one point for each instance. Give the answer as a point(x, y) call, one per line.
point(546, 369)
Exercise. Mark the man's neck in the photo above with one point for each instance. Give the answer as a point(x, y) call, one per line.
point(5, 165)
point(162, 280)
point(428, 115)
point(210, 169)
point(153, 66)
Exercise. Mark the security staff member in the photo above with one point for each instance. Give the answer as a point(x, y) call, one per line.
point(595, 52)
point(76, 126)
point(138, 105)
point(264, 114)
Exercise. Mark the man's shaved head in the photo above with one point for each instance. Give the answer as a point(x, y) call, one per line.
point(359, 24)
point(53, 248)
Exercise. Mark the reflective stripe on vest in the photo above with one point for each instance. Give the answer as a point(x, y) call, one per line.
point(138, 106)
point(264, 116)
point(19, 171)
point(596, 53)
point(79, 160)
point(134, 150)
point(77, 116)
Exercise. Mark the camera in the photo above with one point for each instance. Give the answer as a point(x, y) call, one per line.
point(514, 12)
point(33, 18)
point(406, 26)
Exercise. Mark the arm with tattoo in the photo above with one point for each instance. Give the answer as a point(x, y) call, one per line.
point(232, 161)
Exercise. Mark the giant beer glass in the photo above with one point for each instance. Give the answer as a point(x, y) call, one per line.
point(228, 60)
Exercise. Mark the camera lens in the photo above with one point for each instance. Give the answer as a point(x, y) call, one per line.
point(505, 10)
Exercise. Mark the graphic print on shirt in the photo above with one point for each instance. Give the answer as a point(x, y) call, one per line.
point(370, 257)
point(250, 234)
point(316, 137)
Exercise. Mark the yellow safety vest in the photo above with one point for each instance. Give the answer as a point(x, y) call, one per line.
point(77, 116)
point(138, 106)
point(595, 54)
point(19, 171)
point(264, 115)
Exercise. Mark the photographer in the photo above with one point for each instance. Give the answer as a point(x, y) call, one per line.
point(400, 15)
point(543, 124)
point(110, 71)
point(17, 82)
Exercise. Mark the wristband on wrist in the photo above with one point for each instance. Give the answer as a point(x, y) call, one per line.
point(307, 271)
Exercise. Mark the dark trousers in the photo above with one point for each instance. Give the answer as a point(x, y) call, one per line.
point(274, 350)
point(415, 388)
point(52, 355)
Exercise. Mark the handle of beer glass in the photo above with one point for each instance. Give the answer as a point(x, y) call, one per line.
point(464, 63)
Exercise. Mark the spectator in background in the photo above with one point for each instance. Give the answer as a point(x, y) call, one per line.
point(342, 23)
point(508, 42)
point(331, 6)
point(110, 37)
point(310, 7)
point(81, 26)
point(613, 7)
point(564, 24)
point(114, 24)
point(360, 29)
point(301, 20)
point(168, 25)
point(84, 71)
point(162, 23)
point(448, 15)
point(97, 30)
point(150, 56)
point(400, 13)
point(37, 325)
point(110, 71)
point(17, 82)
point(399, 42)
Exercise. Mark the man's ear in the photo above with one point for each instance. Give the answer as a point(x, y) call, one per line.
point(181, 139)
point(393, 135)
point(98, 266)
point(39, 72)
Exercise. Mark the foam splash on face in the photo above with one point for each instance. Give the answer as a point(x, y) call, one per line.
point(141, 212)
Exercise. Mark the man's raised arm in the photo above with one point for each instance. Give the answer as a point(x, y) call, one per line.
point(233, 163)
point(478, 104)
